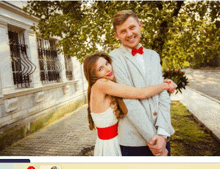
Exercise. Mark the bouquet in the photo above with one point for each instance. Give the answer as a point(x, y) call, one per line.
point(178, 77)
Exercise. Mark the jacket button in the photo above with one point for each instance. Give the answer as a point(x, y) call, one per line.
point(155, 113)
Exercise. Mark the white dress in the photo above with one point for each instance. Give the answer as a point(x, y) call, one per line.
point(106, 147)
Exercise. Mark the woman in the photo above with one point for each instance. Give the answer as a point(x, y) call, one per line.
point(103, 110)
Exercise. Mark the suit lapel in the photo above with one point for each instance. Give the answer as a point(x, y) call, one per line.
point(132, 59)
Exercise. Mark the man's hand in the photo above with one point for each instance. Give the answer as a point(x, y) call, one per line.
point(157, 146)
point(172, 85)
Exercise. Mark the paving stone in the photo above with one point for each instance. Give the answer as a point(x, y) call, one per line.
point(68, 136)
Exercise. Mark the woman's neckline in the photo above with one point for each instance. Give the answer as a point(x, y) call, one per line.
point(103, 111)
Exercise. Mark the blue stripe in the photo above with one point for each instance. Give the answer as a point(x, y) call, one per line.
point(14, 161)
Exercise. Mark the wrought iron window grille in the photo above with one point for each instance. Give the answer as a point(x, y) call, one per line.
point(22, 67)
point(50, 66)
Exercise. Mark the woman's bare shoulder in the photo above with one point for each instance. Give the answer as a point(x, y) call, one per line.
point(97, 91)
point(100, 82)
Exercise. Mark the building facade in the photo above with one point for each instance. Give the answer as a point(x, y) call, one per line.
point(37, 85)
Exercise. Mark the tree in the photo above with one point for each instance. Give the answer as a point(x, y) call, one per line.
point(179, 31)
point(196, 36)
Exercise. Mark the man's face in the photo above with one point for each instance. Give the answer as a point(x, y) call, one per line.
point(129, 33)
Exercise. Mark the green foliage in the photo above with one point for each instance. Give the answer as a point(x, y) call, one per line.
point(180, 31)
point(178, 77)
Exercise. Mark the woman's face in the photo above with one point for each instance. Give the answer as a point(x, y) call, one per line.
point(104, 69)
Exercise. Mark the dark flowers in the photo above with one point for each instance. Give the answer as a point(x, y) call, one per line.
point(178, 77)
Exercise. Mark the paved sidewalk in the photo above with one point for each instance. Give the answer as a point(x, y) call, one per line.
point(205, 108)
point(69, 136)
point(205, 81)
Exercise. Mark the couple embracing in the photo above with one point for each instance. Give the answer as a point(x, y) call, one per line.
point(128, 102)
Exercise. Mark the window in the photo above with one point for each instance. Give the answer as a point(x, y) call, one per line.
point(22, 67)
point(50, 66)
point(69, 67)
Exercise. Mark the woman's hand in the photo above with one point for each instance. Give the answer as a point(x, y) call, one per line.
point(172, 85)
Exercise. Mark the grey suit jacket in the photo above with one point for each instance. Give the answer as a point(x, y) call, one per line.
point(138, 126)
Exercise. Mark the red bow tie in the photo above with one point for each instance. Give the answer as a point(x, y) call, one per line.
point(140, 50)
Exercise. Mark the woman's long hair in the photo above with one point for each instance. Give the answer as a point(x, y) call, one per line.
point(89, 72)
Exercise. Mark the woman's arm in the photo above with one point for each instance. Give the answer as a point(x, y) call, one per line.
point(124, 91)
point(171, 84)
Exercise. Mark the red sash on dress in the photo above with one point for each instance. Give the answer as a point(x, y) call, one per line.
point(108, 132)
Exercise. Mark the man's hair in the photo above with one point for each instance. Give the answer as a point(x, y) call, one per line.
point(122, 16)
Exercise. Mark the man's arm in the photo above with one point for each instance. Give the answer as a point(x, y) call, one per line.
point(163, 123)
point(164, 120)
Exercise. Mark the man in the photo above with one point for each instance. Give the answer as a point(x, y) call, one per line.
point(146, 129)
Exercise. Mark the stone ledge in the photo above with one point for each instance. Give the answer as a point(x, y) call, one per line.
point(21, 92)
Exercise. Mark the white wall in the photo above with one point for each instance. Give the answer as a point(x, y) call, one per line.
point(23, 105)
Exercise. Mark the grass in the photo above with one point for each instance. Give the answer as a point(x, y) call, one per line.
point(190, 137)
